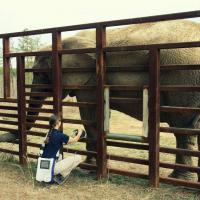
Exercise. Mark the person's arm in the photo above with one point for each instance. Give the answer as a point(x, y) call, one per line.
point(75, 139)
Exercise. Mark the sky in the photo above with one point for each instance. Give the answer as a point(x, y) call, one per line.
point(17, 15)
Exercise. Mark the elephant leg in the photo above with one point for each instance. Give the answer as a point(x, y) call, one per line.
point(184, 142)
point(89, 114)
point(8, 137)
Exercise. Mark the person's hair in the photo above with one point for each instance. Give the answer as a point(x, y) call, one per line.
point(53, 121)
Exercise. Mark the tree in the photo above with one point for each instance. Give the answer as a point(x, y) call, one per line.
point(23, 44)
point(27, 44)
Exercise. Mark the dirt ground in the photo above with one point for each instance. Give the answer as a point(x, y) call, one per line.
point(18, 183)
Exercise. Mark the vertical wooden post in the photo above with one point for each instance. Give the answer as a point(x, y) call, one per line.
point(21, 109)
point(100, 70)
point(57, 77)
point(154, 116)
point(6, 67)
point(57, 73)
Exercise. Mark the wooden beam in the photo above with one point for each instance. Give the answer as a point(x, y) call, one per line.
point(57, 73)
point(154, 119)
point(6, 67)
point(100, 69)
point(21, 110)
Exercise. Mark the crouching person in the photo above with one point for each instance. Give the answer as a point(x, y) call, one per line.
point(52, 144)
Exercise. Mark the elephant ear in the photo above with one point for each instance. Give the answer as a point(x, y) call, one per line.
point(77, 60)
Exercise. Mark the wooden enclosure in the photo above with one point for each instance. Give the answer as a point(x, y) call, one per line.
point(154, 88)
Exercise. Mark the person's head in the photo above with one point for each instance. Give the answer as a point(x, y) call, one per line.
point(54, 121)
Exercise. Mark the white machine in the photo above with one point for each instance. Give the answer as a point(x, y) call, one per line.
point(45, 166)
point(45, 169)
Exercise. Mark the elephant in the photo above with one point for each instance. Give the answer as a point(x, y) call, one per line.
point(137, 34)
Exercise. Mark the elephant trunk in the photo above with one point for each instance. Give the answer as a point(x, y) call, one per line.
point(35, 103)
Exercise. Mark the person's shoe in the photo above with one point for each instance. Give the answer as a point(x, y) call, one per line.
point(59, 179)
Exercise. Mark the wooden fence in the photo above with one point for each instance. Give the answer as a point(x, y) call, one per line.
point(101, 49)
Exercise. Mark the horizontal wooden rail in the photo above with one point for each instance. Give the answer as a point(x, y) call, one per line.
point(81, 152)
point(77, 51)
point(35, 133)
point(173, 16)
point(76, 121)
point(128, 159)
point(179, 182)
point(127, 145)
point(79, 87)
point(8, 115)
point(180, 88)
point(150, 46)
point(12, 130)
point(35, 117)
point(145, 68)
point(182, 131)
point(33, 53)
point(132, 68)
point(184, 152)
point(179, 109)
point(32, 144)
point(124, 87)
point(8, 107)
point(9, 151)
point(40, 86)
point(78, 69)
point(78, 104)
point(127, 173)
point(180, 166)
point(39, 94)
point(41, 70)
point(43, 126)
point(42, 110)
point(39, 102)
point(65, 70)
point(66, 150)
point(10, 100)
point(8, 122)
point(124, 100)
point(180, 67)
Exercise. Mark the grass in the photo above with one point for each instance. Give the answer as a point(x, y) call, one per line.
point(18, 182)
point(81, 185)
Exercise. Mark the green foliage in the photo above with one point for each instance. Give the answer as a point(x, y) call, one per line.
point(28, 44)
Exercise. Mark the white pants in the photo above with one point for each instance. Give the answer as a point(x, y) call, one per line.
point(65, 166)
